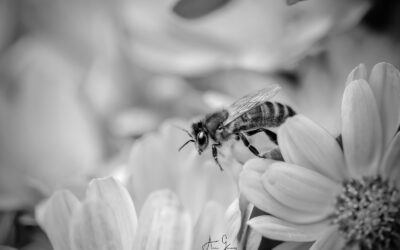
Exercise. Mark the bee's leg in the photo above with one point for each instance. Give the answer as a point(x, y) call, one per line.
point(249, 146)
point(215, 154)
point(271, 135)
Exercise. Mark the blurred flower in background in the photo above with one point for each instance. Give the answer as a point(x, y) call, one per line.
point(107, 219)
point(322, 77)
point(155, 163)
point(86, 30)
point(48, 137)
point(184, 37)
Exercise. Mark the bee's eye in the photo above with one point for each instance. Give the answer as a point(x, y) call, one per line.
point(202, 138)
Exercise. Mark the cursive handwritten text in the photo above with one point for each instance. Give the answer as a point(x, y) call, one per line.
point(220, 244)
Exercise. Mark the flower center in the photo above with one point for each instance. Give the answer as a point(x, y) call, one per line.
point(368, 214)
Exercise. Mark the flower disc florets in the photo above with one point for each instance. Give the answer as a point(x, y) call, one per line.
point(368, 213)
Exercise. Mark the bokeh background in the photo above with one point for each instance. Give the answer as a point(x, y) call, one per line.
point(82, 81)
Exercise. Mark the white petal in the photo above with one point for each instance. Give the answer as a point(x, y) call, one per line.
point(253, 240)
point(54, 217)
point(250, 184)
point(252, 188)
point(358, 73)
point(117, 197)
point(274, 228)
point(206, 181)
point(301, 188)
point(385, 84)
point(157, 153)
point(330, 240)
point(258, 165)
point(233, 218)
point(210, 224)
point(293, 246)
point(246, 210)
point(305, 143)
point(361, 129)
point(163, 224)
point(390, 167)
point(94, 227)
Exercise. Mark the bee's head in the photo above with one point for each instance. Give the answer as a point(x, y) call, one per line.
point(200, 136)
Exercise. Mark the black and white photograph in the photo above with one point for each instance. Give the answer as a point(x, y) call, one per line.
point(199, 124)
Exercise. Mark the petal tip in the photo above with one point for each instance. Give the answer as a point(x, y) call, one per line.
point(359, 72)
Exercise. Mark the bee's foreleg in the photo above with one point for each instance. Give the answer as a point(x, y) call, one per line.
point(249, 146)
point(271, 135)
point(215, 154)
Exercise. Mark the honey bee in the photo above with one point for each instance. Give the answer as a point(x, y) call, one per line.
point(247, 116)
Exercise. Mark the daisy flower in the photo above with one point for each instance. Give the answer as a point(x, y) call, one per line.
point(341, 195)
point(106, 220)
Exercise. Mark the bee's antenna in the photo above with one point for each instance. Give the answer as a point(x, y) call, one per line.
point(185, 144)
point(184, 130)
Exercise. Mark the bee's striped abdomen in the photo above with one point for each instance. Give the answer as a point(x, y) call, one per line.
point(279, 114)
point(268, 114)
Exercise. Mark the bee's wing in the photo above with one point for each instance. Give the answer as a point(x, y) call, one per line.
point(250, 101)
